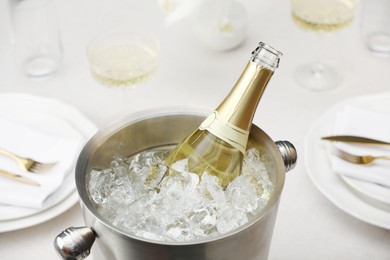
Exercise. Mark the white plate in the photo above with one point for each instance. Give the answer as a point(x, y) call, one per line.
point(53, 116)
point(348, 195)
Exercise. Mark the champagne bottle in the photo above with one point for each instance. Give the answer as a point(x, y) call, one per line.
point(218, 145)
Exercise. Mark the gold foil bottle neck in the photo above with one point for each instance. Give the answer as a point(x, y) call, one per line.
point(237, 110)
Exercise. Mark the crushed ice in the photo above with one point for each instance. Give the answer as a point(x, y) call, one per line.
point(133, 195)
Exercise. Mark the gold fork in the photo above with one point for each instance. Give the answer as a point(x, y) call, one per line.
point(19, 178)
point(28, 164)
point(358, 159)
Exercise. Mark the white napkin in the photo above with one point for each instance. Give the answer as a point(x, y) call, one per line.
point(358, 121)
point(32, 143)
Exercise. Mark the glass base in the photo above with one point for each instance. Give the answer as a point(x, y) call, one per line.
point(40, 66)
point(379, 44)
point(317, 77)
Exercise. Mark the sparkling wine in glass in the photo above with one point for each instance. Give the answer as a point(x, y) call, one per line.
point(321, 16)
point(123, 60)
point(119, 59)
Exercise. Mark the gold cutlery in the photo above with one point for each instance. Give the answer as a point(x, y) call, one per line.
point(357, 159)
point(28, 164)
point(354, 139)
point(18, 178)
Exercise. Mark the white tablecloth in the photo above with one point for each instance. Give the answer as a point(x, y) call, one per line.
point(308, 225)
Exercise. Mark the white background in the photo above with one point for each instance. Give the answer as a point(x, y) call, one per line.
point(308, 225)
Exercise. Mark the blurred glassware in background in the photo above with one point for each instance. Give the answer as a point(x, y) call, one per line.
point(219, 24)
point(36, 36)
point(321, 16)
point(376, 26)
point(120, 59)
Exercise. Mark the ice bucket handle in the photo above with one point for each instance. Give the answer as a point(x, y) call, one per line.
point(289, 154)
point(75, 243)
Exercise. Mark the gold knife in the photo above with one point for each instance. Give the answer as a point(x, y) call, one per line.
point(354, 139)
point(19, 178)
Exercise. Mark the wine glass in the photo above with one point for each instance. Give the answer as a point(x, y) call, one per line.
point(321, 16)
point(123, 60)
point(119, 59)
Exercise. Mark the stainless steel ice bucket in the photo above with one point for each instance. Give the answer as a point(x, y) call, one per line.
point(152, 129)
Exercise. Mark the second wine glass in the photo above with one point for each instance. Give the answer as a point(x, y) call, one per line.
point(119, 59)
point(122, 60)
point(321, 16)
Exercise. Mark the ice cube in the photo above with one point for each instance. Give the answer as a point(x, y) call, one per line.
point(185, 180)
point(229, 219)
point(155, 175)
point(211, 188)
point(121, 191)
point(256, 171)
point(242, 194)
point(203, 221)
point(98, 185)
point(178, 233)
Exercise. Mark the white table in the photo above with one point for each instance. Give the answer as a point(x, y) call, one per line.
point(308, 225)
